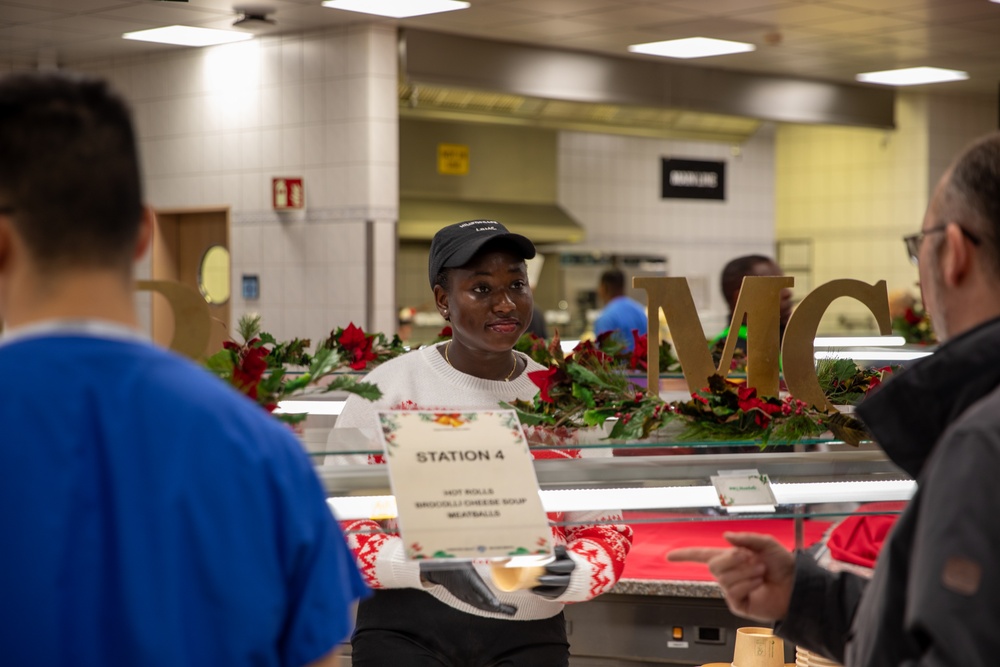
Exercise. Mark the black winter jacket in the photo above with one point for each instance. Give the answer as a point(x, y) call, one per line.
point(934, 598)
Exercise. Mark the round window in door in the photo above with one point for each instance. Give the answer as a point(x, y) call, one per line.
point(213, 275)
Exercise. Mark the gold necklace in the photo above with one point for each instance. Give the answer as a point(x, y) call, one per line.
point(506, 379)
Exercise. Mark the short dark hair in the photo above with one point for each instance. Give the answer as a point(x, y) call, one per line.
point(613, 280)
point(972, 193)
point(734, 272)
point(69, 169)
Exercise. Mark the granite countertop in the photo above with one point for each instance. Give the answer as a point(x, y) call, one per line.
point(667, 588)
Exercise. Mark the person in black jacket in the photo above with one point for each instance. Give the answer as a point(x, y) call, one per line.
point(934, 598)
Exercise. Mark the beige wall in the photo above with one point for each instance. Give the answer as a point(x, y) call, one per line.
point(855, 192)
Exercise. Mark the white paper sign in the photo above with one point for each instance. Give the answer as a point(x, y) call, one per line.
point(464, 484)
point(738, 488)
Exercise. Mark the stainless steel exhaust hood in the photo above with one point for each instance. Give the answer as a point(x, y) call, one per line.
point(466, 64)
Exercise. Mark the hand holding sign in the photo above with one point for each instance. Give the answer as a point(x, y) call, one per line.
point(462, 581)
point(555, 581)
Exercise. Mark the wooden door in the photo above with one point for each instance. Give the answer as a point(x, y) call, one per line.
point(181, 238)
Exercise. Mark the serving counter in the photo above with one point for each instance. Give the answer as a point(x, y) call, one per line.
point(659, 612)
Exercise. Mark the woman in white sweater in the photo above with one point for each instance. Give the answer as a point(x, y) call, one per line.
point(458, 618)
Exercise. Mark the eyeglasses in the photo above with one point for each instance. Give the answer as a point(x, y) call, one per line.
point(913, 241)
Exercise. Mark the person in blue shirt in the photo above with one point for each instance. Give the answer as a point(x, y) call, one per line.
point(152, 515)
point(621, 314)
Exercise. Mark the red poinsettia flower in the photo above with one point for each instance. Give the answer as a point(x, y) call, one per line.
point(352, 337)
point(249, 369)
point(639, 350)
point(586, 349)
point(544, 380)
point(605, 338)
point(875, 380)
point(358, 346)
point(911, 317)
point(445, 332)
point(748, 401)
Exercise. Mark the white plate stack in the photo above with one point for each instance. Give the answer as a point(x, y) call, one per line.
point(804, 658)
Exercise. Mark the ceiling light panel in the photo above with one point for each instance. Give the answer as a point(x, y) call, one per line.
point(692, 47)
point(183, 35)
point(397, 9)
point(912, 76)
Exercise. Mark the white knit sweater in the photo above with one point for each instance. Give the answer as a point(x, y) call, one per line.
point(422, 379)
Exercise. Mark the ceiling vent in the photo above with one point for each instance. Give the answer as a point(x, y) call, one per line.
point(254, 17)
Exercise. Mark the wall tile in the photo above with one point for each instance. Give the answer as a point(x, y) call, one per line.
point(294, 286)
point(252, 249)
point(271, 106)
point(336, 48)
point(335, 187)
point(292, 98)
point(255, 191)
point(270, 63)
point(294, 322)
point(314, 145)
point(250, 151)
point(313, 57)
point(291, 60)
point(291, 148)
point(336, 143)
point(313, 102)
point(212, 153)
point(271, 149)
point(318, 239)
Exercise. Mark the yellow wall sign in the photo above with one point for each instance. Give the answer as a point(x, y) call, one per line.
point(453, 159)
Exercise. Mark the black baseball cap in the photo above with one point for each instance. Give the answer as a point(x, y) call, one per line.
point(455, 245)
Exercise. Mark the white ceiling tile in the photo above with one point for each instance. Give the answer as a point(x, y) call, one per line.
point(990, 26)
point(931, 35)
point(40, 33)
point(566, 7)
point(543, 29)
point(164, 13)
point(95, 25)
point(884, 6)
point(636, 16)
point(10, 14)
point(800, 14)
point(952, 10)
point(719, 28)
point(726, 7)
point(77, 6)
point(476, 16)
point(864, 23)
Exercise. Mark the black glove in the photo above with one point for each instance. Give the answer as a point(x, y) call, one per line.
point(462, 581)
point(555, 581)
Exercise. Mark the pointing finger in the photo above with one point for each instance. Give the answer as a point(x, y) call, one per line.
point(752, 541)
point(694, 554)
